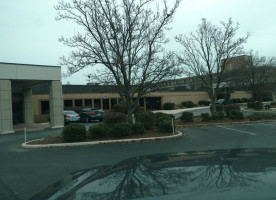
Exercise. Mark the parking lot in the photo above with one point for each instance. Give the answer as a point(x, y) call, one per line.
point(24, 172)
point(254, 135)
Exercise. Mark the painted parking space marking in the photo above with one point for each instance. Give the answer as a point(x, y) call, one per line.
point(232, 129)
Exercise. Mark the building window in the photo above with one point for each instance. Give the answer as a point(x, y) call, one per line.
point(44, 107)
point(105, 104)
point(78, 102)
point(88, 102)
point(68, 103)
point(113, 102)
point(97, 103)
point(141, 102)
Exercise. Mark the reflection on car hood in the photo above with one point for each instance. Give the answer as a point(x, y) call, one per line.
point(227, 174)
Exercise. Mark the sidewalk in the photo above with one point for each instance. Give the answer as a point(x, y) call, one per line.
point(31, 126)
point(179, 111)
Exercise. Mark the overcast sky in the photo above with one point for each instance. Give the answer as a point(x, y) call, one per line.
point(29, 32)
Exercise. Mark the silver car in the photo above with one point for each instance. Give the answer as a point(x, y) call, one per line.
point(70, 116)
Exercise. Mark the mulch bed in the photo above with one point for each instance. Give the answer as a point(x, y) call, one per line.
point(57, 139)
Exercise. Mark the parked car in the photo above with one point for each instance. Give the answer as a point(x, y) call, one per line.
point(70, 116)
point(88, 114)
point(223, 101)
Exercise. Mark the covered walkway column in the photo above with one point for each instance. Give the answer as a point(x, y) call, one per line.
point(28, 106)
point(56, 104)
point(6, 123)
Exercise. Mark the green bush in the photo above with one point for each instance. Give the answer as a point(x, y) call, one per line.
point(204, 103)
point(219, 108)
point(273, 103)
point(146, 118)
point(261, 116)
point(112, 118)
point(235, 114)
point(187, 117)
point(165, 125)
point(74, 133)
point(169, 106)
point(231, 107)
point(121, 130)
point(218, 115)
point(245, 100)
point(267, 99)
point(206, 117)
point(188, 104)
point(99, 131)
point(252, 105)
point(119, 108)
point(161, 116)
point(138, 128)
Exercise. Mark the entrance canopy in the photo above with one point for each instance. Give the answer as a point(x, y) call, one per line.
point(20, 79)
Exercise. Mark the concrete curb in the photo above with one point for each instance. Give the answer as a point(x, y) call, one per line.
point(37, 146)
point(226, 123)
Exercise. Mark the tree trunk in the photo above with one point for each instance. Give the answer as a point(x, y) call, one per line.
point(129, 116)
point(260, 103)
point(213, 104)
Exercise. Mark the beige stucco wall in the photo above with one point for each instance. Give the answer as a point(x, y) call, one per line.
point(178, 97)
point(240, 95)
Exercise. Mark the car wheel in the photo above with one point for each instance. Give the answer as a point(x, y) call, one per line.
point(86, 119)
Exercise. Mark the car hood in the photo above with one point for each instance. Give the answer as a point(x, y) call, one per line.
point(228, 174)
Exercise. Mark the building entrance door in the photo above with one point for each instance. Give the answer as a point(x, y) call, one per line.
point(17, 108)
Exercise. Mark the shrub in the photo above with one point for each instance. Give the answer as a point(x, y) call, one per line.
point(121, 130)
point(165, 126)
point(188, 104)
point(235, 114)
point(146, 118)
point(161, 116)
point(99, 131)
point(112, 118)
point(74, 133)
point(261, 116)
point(206, 117)
point(138, 128)
point(187, 117)
point(219, 108)
point(169, 106)
point(267, 99)
point(204, 103)
point(245, 100)
point(218, 115)
point(253, 105)
point(231, 107)
point(273, 103)
point(119, 108)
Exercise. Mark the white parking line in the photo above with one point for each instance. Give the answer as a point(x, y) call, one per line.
point(236, 130)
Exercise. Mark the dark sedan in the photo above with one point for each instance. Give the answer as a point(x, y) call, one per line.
point(223, 174)
point(89, 114)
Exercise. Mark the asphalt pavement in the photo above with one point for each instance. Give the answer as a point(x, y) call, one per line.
point(24, 172)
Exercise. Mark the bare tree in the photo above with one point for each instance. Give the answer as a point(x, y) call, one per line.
point(207, 51)
point(126, 37)
point(257, 75)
